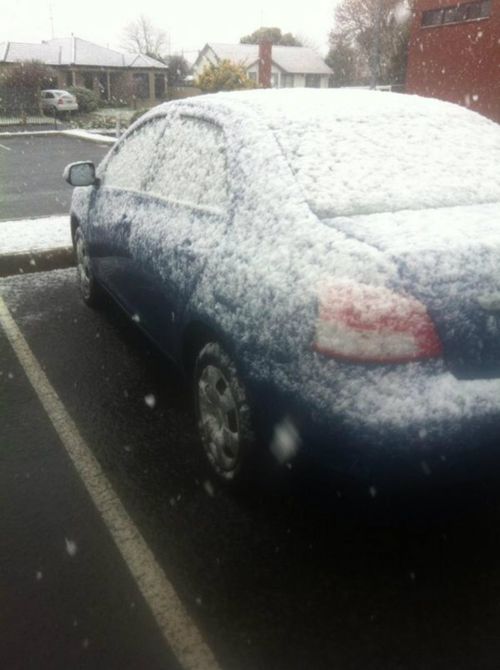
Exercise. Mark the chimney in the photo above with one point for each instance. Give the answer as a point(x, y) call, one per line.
point(265, 56)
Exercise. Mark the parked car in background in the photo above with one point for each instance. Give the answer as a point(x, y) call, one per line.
point(324, 266)
point(54, 100)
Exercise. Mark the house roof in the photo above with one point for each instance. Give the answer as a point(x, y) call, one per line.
point(73, 51)
point(295, 60)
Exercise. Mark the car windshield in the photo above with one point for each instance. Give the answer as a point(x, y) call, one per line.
point(359, 160)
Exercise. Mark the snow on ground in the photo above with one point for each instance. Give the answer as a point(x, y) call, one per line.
point(87, 135)
point(77, 132)
point(21, 235)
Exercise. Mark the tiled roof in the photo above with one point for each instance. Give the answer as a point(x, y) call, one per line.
point(73, 51)
point(295, 60)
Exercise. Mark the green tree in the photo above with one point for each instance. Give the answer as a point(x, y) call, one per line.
point(378, 30)
point(273, 35)
point(178, 69)
point(225, 76)
point(344, 59)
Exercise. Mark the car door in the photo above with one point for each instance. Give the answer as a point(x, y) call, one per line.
point(118, 201)
point(186, 212)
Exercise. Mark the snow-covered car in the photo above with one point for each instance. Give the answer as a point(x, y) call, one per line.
point(54, 100)
point(323, 264)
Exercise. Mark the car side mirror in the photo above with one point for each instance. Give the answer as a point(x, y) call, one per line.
point(80, 174)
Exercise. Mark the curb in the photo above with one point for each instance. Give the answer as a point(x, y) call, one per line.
point(26, 262)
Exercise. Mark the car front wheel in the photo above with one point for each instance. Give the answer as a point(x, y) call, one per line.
point(224, 416)
point(89, 288)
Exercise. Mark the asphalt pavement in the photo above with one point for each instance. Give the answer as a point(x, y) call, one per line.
point(299, 573)
point(31, 168)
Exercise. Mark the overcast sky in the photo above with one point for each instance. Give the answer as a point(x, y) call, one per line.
point(189, 24)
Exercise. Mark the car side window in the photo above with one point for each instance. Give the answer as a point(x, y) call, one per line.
point(129, 165)
point(191, 165)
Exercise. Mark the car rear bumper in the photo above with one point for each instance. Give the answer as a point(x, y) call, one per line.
point(409, 422)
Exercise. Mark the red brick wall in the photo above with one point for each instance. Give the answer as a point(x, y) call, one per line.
point(457, 62)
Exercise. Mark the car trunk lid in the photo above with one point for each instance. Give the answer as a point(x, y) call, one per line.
point(449, 259)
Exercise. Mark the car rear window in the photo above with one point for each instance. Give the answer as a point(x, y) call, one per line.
point(413, 154)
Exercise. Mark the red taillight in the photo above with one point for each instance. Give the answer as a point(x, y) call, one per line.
point(372, 324)
point(60, 101)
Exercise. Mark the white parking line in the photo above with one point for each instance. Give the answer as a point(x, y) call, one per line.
point(6, 148)
point(179, 630)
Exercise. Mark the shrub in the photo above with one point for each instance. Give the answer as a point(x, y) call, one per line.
point(136, 115)
point(225, 76)
point(21, 85)
point(87, 100)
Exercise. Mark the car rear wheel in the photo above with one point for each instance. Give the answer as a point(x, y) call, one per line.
point(89, 288)
point(224, 416)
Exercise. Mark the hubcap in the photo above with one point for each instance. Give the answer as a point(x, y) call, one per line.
point(83, 266)
point(219, 420)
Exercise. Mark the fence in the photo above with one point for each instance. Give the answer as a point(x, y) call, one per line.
point(20, 107)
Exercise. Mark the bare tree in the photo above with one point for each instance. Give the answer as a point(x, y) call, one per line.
point(141, 36)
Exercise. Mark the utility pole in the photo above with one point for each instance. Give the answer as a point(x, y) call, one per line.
point(51, 19)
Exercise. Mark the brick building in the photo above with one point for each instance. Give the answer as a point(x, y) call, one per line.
point(454, 53)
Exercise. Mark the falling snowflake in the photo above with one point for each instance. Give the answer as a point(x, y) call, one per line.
point(71, 547)
point(150, 400)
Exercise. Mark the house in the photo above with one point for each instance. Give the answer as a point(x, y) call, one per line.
point(290, 66)
point(77, 62)
point(454, 53)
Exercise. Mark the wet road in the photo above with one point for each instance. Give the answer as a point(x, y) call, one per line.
point(286, 578)
point(31, 168)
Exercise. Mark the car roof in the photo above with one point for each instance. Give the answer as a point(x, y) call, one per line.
point(275, 105)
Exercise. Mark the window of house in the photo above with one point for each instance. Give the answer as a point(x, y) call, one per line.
point(69, 79)
point(191, 164)
point(252, 76)
point(432, 17)
point(313, 81)
point(159, 86)
point(128, 166)
point(450, 15)
point(287, 80)
point(274, 80)
point(88, 80)
point(468, 11)
point(141, 85)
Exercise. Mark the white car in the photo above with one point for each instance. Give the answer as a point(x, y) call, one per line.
point(59, 101)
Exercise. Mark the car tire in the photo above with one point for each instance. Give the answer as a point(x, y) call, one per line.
point(89, 288)
point(224, 417)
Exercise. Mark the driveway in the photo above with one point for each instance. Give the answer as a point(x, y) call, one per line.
point(31, 183)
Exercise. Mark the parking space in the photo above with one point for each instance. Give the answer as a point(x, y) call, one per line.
point(31, 168)
point(281, 578)
point(67, 597)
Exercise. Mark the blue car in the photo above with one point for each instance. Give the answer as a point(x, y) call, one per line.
point(323, 265)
